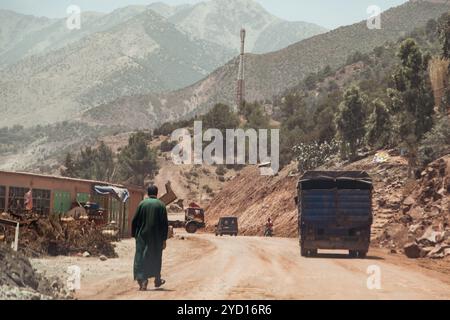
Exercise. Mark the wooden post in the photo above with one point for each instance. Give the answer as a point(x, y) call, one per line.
point(16, 238)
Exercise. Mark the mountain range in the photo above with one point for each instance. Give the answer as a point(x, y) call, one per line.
point(270, 74)
point(49, 73)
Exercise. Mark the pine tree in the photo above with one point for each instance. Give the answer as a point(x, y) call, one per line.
point(69, 164)
point(257, 117)
point(378, 126)
point(350, 121)
point(103, 163)
point(137, 161)
point(221, 117)
point(412, 99)
point(444, 35)
point(290, 105)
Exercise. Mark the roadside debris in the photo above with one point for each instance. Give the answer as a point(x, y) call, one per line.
point(422, 225)
point(19, 281)
point(53, 236)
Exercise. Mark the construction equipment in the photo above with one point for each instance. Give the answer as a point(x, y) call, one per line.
point(194, 215)
point(194, 218)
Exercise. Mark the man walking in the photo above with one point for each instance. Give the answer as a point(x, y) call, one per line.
point(149, 228)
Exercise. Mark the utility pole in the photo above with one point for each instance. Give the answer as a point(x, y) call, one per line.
point(240, 94)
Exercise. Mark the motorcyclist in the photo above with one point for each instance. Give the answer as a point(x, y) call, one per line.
point(269, 228)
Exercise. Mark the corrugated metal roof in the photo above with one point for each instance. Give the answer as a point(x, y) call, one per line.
point(38, 175)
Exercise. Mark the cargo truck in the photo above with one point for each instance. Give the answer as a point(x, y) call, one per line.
point(335, 212)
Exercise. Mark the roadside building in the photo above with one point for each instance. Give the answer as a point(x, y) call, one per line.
point(57, 195)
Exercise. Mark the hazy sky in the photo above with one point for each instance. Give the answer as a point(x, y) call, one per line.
point(328, 13)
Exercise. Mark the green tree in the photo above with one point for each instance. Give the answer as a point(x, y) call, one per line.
point(435, 143)
point(137, 161)
point(290, 104)
point(378, 126)
point(104, 163)
point(444, 34)
point(350, 121)
point(90, 163)
point(257, 117)
point(294, 124)
point(412, 99)
point(69, 166)
point(221, 117)
point(288, 139)
point(85, 163)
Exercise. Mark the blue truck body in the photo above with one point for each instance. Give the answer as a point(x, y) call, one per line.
point(335, 211)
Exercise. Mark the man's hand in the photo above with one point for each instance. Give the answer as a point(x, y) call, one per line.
point(164, 245)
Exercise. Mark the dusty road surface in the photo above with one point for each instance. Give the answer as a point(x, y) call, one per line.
point(205, 267)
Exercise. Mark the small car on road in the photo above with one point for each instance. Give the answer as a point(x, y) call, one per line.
point(227, 226)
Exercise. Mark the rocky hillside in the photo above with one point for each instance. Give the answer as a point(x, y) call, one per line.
point(254, 198)
point(50, 73)
point(219, 21)
point(271, 74)
point(24, 35)
point(144, 54)
point(15, 28)
point(421, 226)
point(404, 210)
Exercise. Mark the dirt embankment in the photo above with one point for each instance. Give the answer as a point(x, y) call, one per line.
point(254, 198)
point(404, 210)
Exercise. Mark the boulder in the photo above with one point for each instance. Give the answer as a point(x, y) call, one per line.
point(439, 252)
point(409, 201)
point(425, 251)
point(415, 228)
point(412, 250)
point(431, 236)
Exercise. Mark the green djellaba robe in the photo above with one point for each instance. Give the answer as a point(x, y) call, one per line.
point(149, 228)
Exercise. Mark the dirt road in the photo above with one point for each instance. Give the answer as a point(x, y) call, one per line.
point(206, 267)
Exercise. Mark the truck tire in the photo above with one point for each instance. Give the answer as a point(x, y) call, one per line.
point(362, 254)
point(303, 252)
point(191, 228)
point(308, 252)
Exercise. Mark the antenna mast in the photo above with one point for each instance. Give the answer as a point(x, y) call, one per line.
point(240, 94)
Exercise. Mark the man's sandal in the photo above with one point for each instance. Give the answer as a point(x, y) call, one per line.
point(143, 285)
point(159, 283)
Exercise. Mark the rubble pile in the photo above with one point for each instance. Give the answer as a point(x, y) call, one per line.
point(421, 224)
point(54, 237)
point(19, 281)
point(427, 213)
point(390, 179)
